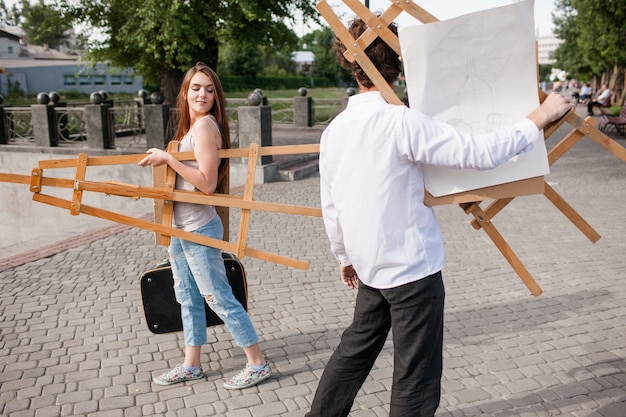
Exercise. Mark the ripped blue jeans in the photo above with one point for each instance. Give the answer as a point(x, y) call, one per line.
point(199, 275)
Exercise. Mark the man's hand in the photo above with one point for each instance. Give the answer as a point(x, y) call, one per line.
point(552, 108)
point(349, 276)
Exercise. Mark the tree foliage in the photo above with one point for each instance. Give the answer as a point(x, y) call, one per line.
point(594, 35)
point(320, 42)
point(9, 15)
point(44, 24)
point(161, 39)
point(245, 60)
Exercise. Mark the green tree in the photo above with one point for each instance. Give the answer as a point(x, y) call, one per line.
point(9, 15)
point(594, 34)
point(44, 24)
point(160, 39)
point(325, 64)
point(243, 60)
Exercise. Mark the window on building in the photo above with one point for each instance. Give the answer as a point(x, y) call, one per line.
point(10, 50)
point(99, 79)
point(129, 79)
point(84, 79)
point(116, 79)
point(69, 79)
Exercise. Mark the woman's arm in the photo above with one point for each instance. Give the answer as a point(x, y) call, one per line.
point(207, 139)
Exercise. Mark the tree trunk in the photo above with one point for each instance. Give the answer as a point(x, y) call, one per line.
point(618, 85)
point(171, 79)
point(170, 84)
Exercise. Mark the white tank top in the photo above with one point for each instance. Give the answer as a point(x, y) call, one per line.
point(190, 216)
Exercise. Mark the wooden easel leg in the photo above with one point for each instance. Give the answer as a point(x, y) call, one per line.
point(244, 223)
point(607, 143)
point(503, 247)
point(554, 154)
point(493, 209)
point(77, 194)
point(571, 214)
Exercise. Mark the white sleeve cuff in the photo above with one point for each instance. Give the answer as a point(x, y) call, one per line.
point(343, 260)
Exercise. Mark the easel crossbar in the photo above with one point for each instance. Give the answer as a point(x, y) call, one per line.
point(470, 201)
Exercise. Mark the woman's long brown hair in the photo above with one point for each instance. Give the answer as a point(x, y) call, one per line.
point(218, 111)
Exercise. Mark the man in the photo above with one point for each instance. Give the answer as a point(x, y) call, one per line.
point(386, 240)
point(602, 100)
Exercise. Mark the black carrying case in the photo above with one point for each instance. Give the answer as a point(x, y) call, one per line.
point(160, 307)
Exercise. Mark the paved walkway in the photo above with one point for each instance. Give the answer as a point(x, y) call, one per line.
point(73, 339)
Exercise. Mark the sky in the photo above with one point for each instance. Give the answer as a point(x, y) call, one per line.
point(442, 10)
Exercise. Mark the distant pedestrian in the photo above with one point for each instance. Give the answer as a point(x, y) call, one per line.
point(602, 100)
point(585, 93)
point(199, 274)
point(386, 240)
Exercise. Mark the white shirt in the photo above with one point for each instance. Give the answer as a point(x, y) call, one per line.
point(372, 187)
point(604, 96)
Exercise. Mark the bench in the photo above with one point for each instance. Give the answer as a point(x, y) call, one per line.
point(608, 121)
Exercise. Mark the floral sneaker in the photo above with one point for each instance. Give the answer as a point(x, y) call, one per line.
point(178, 374)
point(248, 377)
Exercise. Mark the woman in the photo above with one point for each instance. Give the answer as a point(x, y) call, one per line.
point(198, 270)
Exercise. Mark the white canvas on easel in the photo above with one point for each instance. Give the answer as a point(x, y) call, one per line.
point(476, 72)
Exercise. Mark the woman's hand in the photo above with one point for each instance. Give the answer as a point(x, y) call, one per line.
point(156, 157)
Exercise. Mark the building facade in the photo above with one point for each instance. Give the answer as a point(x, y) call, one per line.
point(35, 69)
point(546, 45)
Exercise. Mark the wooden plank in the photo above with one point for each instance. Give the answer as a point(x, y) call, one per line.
point(504, 248)
point(182, 156)
point(571, 139)
point(35, 180)
point(244, 221)
point(416, 11)
point(492, 210)
point(164, 230)
point(607, 143)
point(571, 214)
point(135, 222)
point(553, 155)
point(158, 181)
point(77, 194)
point(167, 210)
point(377, 26)
point(528, 186)
point(356, 48)
point(15, 178)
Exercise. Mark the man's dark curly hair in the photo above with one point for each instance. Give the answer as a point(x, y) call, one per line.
point(385, 59)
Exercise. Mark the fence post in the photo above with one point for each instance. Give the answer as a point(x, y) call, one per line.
point(62, 130)
point(156, 118)
point(99, 132)
point(4, 125)
point(302, 109)
point(255, 126)
point(44, 126)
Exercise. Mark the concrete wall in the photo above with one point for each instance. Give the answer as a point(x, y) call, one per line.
point(26, 224)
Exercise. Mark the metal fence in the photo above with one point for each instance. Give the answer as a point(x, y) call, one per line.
point(70, 124)
point(20, 124)
point(127, 122)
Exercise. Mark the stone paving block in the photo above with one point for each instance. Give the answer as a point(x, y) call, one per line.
point(576, 327)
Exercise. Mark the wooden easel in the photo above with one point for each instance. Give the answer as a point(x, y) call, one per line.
point(469, 201)
point(165, 195)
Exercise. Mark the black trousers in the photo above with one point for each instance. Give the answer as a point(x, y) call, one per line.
point(415, 313)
